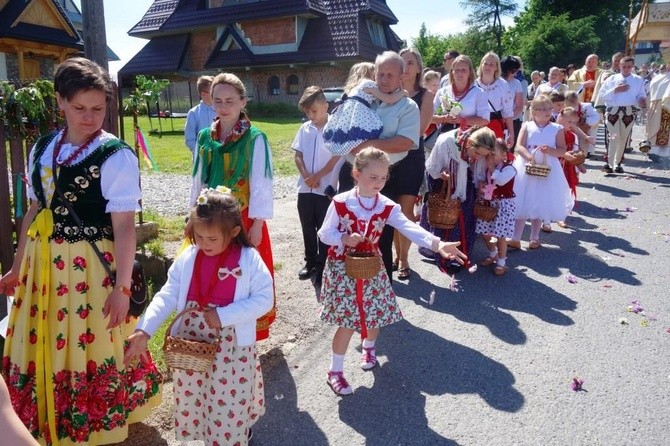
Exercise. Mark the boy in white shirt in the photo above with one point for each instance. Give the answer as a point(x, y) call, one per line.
point(200, 116)
point(315, 163)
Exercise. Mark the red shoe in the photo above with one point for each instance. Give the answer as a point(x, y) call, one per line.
point(339, 384)
point(369, 358)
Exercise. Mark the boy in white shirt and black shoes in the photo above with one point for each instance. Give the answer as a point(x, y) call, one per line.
point(623, 93)
point(315, 164)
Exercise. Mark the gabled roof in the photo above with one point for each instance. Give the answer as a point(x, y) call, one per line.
point(336, 30)
point(13, 25)
point(162, 54)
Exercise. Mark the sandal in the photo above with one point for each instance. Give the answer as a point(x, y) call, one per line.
point(404, 273)
point(562, 224)
point(369, 358)
point(394, 266)
point(488, 261)
point(499, 270)
point(339, 384)
point(513, 244)
point(546, 228)
point(534, 244)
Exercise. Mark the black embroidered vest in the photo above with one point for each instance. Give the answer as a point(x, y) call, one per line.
point(80, 184)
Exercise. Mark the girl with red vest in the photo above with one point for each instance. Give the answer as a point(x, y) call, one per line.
point(499, 189)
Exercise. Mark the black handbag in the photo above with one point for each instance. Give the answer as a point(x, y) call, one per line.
point(138, 285)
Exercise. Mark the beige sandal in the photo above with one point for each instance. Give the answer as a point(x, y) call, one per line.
point(534, 244)
point(499, 270)
point(488, 261)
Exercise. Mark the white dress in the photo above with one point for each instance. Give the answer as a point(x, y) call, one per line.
point(353, 121)
point(546, 198)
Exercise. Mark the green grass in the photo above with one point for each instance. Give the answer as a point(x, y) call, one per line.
point(156, 345)
point(172, 156)
point(170, 229)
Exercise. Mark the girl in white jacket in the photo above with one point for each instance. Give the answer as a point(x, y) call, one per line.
point(223, 279)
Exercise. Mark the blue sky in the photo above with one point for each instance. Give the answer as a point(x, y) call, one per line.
point(440, 16)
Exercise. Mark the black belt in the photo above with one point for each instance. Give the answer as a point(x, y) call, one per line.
point(616, 109)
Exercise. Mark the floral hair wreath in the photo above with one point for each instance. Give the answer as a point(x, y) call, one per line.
point(202, 198)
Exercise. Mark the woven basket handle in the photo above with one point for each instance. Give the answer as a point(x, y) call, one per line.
point(445, 190)
point(183, 312)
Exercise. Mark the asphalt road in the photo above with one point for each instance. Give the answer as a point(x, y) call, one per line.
point(493, 363)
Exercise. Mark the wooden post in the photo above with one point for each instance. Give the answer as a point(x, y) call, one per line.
point(6, 226)
point(139, 161)
point(95, 49)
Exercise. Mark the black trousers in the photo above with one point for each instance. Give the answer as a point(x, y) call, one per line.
point(312, 210)
point(386, 239)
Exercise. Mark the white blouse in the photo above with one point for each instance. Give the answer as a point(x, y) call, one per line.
point(498, 97)
point(473, 103)
point(119, 174)
point(260, 186)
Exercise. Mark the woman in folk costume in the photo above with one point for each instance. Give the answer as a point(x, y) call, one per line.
point(498, 96)
point(63, 360)
point(235, 154)
point(461, 157)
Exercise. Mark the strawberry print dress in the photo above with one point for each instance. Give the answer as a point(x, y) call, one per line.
point(220, 404)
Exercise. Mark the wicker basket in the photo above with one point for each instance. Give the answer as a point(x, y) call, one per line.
point(362, 264)
point(185, 354)
point(538, 170)
point(575, 159)
point(485, 211)
point(442, 209)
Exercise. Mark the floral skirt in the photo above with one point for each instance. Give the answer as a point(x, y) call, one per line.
point(221, 404)
point(338, 297)
point(64, 369)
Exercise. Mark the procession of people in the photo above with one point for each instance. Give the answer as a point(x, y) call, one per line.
point(503, 152)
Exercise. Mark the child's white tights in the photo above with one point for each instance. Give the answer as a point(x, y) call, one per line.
point(535, 225)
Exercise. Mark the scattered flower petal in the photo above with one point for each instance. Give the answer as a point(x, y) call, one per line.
point(644, 323)
point(577, 384)
point(623, 321)
point(630, 209)
point(607, 285)
point(453, 284)
point(570, 278)
point(667, 330)
point(431, 298)
point(472, 269)
point(279, 396)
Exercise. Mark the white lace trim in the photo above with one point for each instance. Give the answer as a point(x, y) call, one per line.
point(123, 206)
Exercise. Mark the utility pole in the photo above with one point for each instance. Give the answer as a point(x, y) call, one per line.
point(95, 49)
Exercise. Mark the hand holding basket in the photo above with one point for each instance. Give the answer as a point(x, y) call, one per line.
point(538, 170)
point(186, 354)
point(362, 264)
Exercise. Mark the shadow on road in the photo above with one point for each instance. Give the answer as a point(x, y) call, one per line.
point(419, 362)
point(283, 423)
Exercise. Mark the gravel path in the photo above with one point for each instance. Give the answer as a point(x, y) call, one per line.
point(168, 193)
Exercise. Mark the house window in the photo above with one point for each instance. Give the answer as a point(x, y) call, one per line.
point(377, 33)
point(273, 86)
point(292, 84)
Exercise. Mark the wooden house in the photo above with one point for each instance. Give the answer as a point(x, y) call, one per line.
point(35, 36)
point(276, 47)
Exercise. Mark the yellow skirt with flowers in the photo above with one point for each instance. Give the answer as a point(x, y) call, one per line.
point(64, 369)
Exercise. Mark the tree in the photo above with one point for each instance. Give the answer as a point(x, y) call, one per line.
point(555, 40)
point(489, 12)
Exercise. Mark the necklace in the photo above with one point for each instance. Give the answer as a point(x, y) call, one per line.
point(360, 203)
point(77, 152)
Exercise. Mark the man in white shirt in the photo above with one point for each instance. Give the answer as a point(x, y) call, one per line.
point(200, 116)
point(623, 93)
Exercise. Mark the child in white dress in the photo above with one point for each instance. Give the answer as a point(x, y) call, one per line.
point(540, 198)
point(354, 121)
point(355, 219)
point(222, 279)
